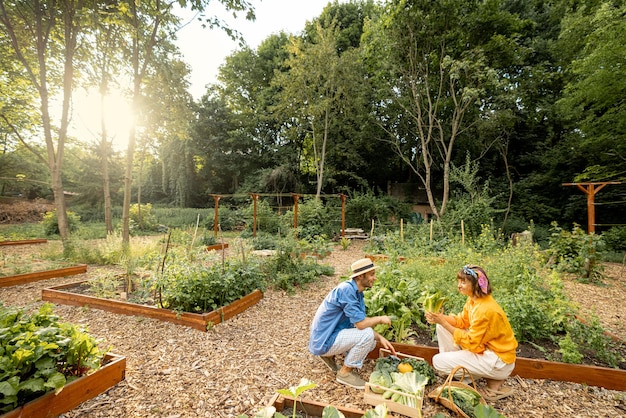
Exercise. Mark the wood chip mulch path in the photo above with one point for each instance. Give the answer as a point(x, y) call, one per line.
point(175, 371)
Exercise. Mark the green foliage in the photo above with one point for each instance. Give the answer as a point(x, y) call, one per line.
point(315, 219)
point(141, 218)
point(50, 222)
point(267, 220)
point(264, 241)
point(537, 307)
point(287, 269)
point(472, 204)
point(615, 239)
point(570, 352)
point(576, 252)
point(396, 295)
point(362, 208)
point(318, 246)
point(486, 411)
point(197, 287)
point(329, 411)
point(39, 354)
point(466, 399)
point(590, 337)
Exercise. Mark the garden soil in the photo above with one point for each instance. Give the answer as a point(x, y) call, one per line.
point(175, 371)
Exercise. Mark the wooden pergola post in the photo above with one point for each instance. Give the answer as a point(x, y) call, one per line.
point(216, 218)
point(591, 189)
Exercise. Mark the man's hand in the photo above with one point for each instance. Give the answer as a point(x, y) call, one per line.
point(385, 343)
point(384, 320)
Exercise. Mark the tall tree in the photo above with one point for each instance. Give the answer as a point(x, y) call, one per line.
point(593, 98)
point(44, 36)
point(434, 75)
point(150, 22)
point(313, 92)
point(102, 67)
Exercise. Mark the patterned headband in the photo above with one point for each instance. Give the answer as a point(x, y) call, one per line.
point(478, 275)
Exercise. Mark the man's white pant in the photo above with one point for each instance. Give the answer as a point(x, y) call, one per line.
point(487, 364)
point(355, 343)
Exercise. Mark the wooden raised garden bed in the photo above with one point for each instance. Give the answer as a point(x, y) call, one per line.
point(61, 294)
point(24, 241)
point(540, 369)
point(73, 394)
point(308, 407)
point(217, 247)
point(16, 279)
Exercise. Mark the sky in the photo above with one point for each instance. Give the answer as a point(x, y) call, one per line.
point(205, 49)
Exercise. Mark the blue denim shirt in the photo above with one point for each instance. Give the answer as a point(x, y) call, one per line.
point(343, 307)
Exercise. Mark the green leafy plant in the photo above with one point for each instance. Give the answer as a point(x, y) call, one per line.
point(433, 302)
point(39, 354)
point(199, 287)
point(569, 350)
point(465, 399)
point(486, 411)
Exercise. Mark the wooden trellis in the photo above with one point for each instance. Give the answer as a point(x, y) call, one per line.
point(296, 198)
point(591, 189)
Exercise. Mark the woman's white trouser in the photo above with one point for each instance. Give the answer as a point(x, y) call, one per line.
point(486, 365)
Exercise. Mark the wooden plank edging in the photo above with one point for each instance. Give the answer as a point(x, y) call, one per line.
point(539, 369)
point(36, 276)
point(76, 392)
point(57, 294)
point(24, 241)
point(310, 407)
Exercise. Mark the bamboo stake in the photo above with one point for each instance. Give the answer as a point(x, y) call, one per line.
point(431, 229)
point(401, 229)
point(195, 234)
point(462, 232)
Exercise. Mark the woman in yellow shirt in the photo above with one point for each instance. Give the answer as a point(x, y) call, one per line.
point(479, 338)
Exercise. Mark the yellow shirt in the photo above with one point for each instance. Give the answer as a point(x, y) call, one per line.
point(483, 325)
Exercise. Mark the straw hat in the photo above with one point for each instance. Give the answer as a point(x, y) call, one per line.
point(361, 266)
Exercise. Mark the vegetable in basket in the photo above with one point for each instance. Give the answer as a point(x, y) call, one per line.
point(465, 399)
point(410, 383)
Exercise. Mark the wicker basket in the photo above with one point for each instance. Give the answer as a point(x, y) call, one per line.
point(447, 401)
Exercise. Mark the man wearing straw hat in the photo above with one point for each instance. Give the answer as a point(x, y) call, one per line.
point(340, 326)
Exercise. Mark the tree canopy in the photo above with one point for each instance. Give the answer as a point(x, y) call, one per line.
point(521, 96)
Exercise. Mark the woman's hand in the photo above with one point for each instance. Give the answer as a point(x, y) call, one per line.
point(436, 318)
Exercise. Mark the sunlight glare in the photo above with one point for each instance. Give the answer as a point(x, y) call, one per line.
point(87, 114)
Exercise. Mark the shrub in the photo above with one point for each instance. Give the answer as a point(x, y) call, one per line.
point(362, 208)
point(615, 238)
point(576, 252)
point(50, 222)
point(141, 218)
